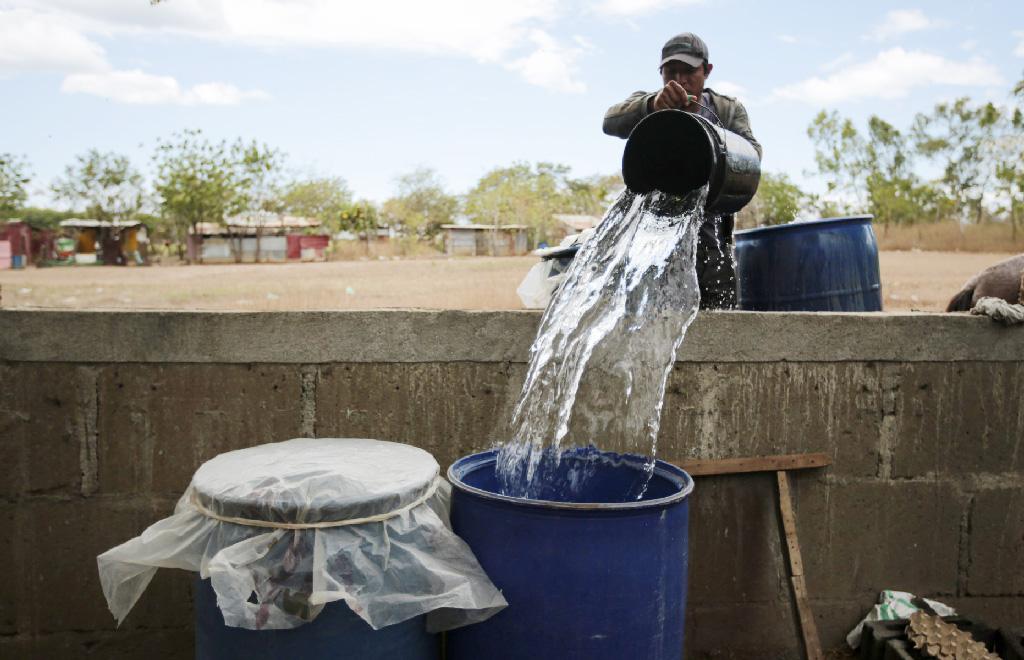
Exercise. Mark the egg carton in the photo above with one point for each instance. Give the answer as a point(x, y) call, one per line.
point(887, 640)
point(935, 638)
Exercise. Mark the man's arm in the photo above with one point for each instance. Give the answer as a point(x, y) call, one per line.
point(621, 118)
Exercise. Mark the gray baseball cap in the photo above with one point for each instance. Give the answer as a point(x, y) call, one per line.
point(687, 48)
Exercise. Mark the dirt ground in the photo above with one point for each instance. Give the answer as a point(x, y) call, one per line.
point(910, 281)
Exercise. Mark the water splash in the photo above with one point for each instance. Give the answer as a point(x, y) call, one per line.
point(610, 335)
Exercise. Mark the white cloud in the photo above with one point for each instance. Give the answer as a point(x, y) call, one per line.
point(728, 88)
point(36, 38)
point(1019, 50)
point(621, 8)
point(138, 87)
point(483, 31)
point(218, 93)
point(551, 65)
point(36, 41)
point(968, 45)
point(787, 38)
point(902, 21)
point(891, 74)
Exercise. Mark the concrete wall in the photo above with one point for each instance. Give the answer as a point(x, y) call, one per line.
point(104, 417)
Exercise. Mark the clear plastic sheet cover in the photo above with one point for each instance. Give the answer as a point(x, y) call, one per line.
point(269, 578)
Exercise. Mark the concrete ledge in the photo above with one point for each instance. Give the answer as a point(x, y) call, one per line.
point(455, 336)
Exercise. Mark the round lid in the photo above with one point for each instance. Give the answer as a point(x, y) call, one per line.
point(309, 480)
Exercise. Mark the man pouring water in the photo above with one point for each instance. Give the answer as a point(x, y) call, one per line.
point(684, 69)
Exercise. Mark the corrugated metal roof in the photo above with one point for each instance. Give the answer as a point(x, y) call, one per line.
point(88, 223)
point(577, 222)
point(271, 221)
point(249, 225)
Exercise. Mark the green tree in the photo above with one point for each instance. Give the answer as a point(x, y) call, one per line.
point(39, 218)
point(527, 194)
point(895, 193)
point(257, 179)
point(195, 181)
point(14, 177)
point(960, 138)
point(362, 217)
point(1009, 156)
point(872, 172)
point(103, 185)
point(591, 195)
point(421, 206)
point(778, 201)
point(839, 153)
point(326, 199)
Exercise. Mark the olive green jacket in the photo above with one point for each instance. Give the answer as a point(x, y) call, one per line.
point(621, 118)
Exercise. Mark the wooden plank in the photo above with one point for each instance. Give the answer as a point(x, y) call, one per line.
point(812, 645)
point(703, 468)
point(796, 562)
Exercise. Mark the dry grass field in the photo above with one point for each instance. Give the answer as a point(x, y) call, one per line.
point(950, 237)
point(910, 280)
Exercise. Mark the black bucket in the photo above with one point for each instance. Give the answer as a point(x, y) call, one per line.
point(675, 152)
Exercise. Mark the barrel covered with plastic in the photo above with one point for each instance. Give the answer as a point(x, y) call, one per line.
point(314, 547)
point(828, 265)
point(595, 578)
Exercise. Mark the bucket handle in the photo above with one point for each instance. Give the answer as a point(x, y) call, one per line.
point(712, 113)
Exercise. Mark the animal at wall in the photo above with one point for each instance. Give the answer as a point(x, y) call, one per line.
point(1002, 280)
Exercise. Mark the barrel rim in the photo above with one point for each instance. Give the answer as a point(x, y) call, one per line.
point(300, 504)
point(796, 226)
point(661, 468)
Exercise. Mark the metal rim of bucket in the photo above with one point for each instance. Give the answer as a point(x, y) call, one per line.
point(473, 462)
point(796, 226)
point(654, 130)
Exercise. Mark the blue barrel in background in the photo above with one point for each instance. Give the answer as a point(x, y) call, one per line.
point(596, 578)
point(828, 265)
point(336, 633)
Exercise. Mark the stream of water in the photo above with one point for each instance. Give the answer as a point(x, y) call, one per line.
point(610, 335)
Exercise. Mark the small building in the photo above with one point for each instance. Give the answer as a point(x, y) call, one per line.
point(15, 244)
point(308, 248)
point(485, 240)
point(110, 242)
point(567, 224)
point(258, 237)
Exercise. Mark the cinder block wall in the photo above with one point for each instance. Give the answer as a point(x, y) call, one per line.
point(105, 416)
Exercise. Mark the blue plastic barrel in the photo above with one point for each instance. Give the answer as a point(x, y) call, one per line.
point(828, 265)
point(336, 633)
point(595, 578)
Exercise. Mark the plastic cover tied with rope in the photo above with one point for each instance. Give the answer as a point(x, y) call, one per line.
point(285, 528)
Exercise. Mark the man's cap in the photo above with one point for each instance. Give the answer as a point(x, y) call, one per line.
point(687, 48)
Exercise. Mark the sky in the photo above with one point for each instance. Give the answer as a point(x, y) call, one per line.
point(368, 91)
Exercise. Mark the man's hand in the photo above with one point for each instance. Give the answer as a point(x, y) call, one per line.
point(672, 96)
